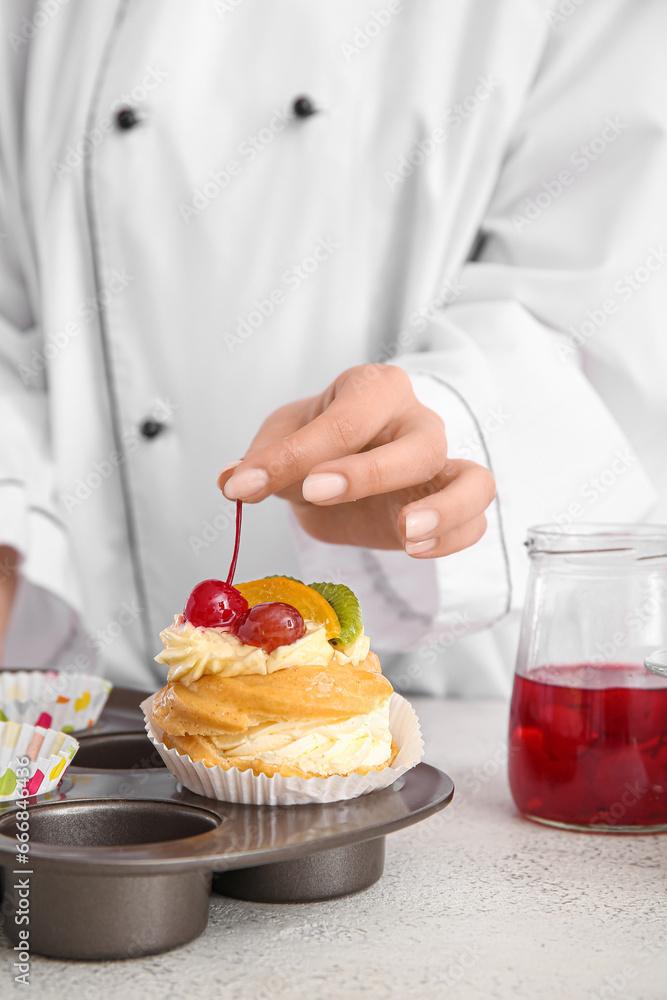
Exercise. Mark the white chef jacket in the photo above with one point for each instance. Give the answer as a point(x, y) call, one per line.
point(480, 198)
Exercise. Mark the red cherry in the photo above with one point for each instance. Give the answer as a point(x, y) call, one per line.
point(214, 604)
point(270, 625)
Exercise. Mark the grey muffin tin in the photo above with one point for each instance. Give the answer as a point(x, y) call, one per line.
point(124, 858)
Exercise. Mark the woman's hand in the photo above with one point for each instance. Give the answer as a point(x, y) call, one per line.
point(364, 463)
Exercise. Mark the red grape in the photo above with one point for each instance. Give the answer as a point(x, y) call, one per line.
point(270, 625)
point(214, 604)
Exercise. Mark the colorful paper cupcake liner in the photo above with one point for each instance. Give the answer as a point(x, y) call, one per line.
point(49, 753)
point(66, 701)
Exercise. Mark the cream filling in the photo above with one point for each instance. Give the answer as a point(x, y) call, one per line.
point(191, 652)
point(322, 748)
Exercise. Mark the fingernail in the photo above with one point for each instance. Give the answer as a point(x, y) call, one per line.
point(323, 486)
point(232, 465)
point(416, 548)
point(245, 483)
point(421, 522)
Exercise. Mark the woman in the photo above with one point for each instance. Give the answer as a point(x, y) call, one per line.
point(407, 213)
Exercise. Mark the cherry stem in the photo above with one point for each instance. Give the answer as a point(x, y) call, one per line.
point(237, 544)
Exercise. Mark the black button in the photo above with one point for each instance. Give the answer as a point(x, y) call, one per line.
point(303, 107)
point(126, 118)
point(151, 428)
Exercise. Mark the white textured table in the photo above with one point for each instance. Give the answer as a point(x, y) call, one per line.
point(474, 903)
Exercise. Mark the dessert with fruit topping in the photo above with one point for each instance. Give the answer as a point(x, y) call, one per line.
point(276, 677)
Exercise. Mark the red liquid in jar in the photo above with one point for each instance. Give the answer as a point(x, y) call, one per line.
point(588, 745)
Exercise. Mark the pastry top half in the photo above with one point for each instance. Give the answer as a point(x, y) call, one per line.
point(216, 705)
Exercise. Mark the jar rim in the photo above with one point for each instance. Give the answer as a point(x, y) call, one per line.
point(644, 541)
point(657, 662)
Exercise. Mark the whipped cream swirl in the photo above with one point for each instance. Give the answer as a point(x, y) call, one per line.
point(190, 652)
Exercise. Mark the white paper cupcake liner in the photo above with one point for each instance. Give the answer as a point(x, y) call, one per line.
point(49, 753)
point(66, 701)
point(233, 785)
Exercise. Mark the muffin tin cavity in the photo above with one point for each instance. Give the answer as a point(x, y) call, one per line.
point(77, 913)
point(117, 752)
point(112, 823)
point(316, 877)
point(95, 917)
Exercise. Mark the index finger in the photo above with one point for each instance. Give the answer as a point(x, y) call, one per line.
point(348, 424)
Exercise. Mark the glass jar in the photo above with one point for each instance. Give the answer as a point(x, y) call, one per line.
point(588, 721)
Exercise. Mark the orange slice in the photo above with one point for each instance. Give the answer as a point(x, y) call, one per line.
point(307, 601)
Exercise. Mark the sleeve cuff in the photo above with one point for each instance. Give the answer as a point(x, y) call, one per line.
point(410, 602)
point(41, 541)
